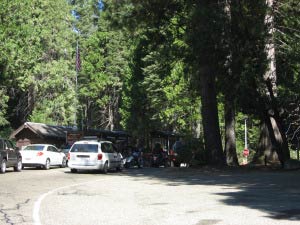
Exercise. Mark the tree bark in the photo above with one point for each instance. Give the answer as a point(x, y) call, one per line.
point(266, 153)
point(230, 138)
point(210, 119)
point(274, 121)
point(230, 93)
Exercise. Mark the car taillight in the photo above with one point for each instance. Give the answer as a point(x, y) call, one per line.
point(99, 156)
point(40, 154)
point(68, 156)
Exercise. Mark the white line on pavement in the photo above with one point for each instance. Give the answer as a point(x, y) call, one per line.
point(37, 204)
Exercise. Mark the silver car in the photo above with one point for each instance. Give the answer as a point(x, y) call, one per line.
point(94, 155)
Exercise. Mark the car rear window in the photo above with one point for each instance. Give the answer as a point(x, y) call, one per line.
point(84, 148)
point(34, 148)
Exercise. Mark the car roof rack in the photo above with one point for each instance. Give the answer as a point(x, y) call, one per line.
point(90, 138)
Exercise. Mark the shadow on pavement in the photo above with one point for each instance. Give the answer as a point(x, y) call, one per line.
point(276, 193)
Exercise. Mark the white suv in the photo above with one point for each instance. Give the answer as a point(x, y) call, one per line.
point(94, 155)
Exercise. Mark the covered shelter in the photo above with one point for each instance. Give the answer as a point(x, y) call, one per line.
point(165, 138)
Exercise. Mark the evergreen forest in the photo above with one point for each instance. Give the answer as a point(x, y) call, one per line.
point(200, 68)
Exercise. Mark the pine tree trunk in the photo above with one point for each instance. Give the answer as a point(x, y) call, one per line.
point(110, 117)
point(233, 72)
point(276, 133)
point(212, 137)
point(230, 138)
point(266, 153)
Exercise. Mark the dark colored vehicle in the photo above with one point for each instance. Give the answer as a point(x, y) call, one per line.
point(9, 156)
point(180, 153)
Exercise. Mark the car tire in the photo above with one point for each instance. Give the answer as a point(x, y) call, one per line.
point(3, 166)
point(119, 168)
point(105, 168)
point(47, 164)
point(177, 164)
point(73, 170)
point(63, 163)
point(18, 167)
point(167, 163)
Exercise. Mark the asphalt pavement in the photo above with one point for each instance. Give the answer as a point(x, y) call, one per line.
point(150, 196)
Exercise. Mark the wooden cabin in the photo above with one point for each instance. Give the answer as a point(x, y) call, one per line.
point(60, 136)
point(39, 133)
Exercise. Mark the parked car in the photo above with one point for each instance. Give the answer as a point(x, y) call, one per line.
point(9, 156)
point(42, 156)
point(181, 152)
point(94, 155)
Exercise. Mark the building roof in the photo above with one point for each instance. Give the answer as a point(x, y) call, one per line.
point(51, 131)
point(43, 130)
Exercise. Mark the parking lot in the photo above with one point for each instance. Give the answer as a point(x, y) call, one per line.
point(149, 196)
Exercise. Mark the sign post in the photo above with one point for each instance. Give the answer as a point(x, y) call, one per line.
point(246, 150)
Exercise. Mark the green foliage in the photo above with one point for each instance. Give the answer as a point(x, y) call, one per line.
point(5, 131)
point(104, 65)
point(287, 39)
point(3, 107)
point(247, 65)
point(157, 93)
point(37, 57)
point(182, 108)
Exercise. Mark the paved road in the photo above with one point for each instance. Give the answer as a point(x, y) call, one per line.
point(150, 196)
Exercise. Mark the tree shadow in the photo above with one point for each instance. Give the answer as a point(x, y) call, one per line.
point(274, 192)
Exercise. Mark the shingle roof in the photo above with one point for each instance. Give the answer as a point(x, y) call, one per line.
point(43, 130)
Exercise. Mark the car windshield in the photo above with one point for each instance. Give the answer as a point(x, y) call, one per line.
point(178, 146)
point(84, 148)
point(34, 148)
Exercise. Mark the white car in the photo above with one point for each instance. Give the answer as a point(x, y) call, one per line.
point(42, 155)
point(94, 155)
